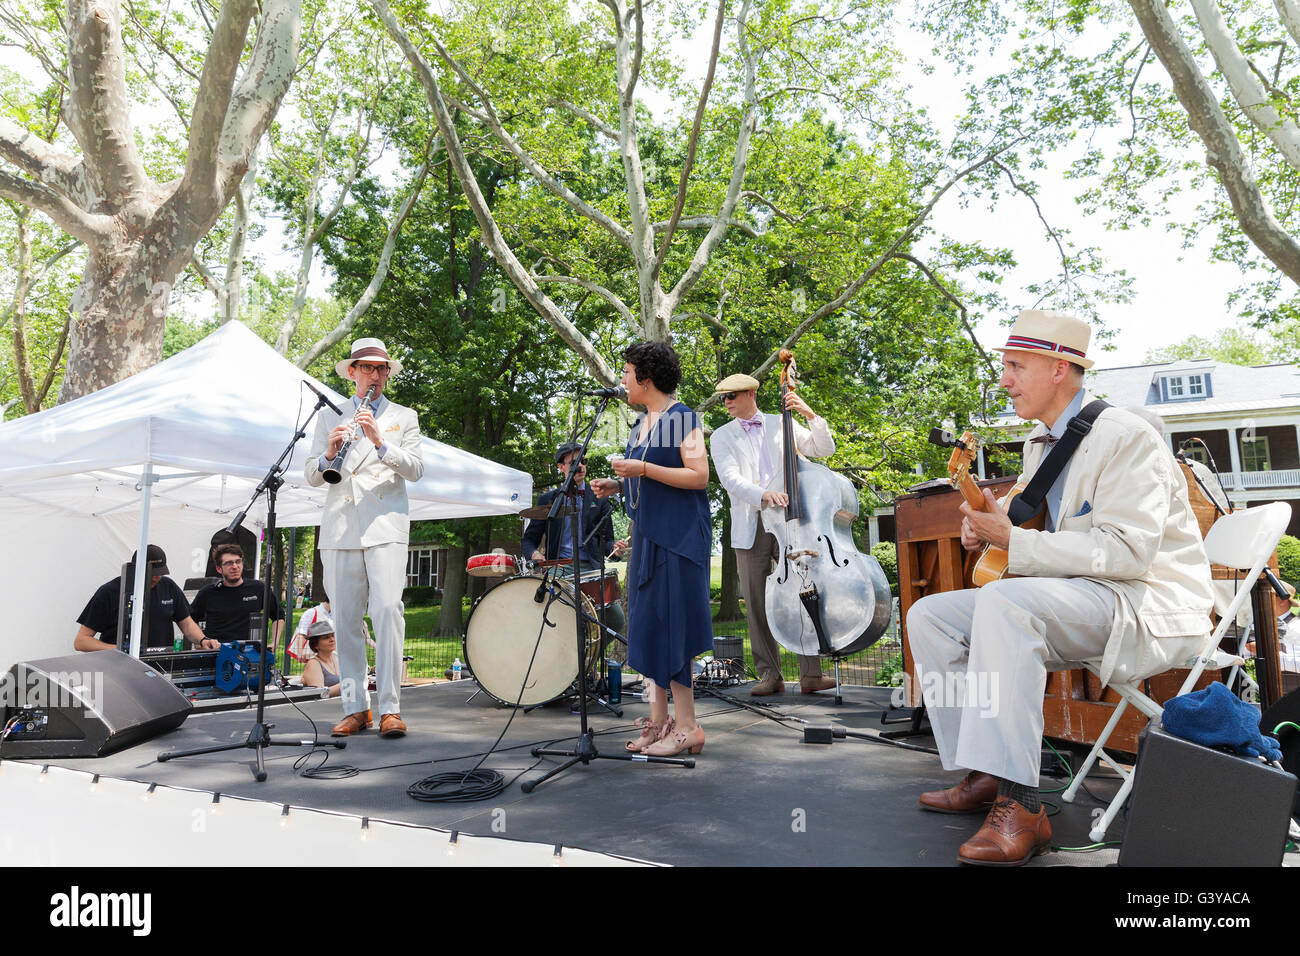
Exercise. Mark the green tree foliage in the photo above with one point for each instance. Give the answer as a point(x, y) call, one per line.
point(1288, 560)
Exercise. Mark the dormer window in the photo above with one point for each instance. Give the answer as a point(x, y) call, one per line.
point(1184, 386)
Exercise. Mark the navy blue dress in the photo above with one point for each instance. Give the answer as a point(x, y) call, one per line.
point(669, 620)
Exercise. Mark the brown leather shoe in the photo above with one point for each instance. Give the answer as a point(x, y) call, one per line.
point(767, 687)
point(811, 685)
point(390, 725)
point(352, 724)
point(976, 793)
point(1009, 837)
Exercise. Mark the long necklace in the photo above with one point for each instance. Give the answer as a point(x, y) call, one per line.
point(643, 441)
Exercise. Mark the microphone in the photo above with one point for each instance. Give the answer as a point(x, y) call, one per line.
point(618, 391)
point(321, 396)
point(540, 594)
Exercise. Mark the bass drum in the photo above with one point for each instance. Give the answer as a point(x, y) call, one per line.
point(506, 624)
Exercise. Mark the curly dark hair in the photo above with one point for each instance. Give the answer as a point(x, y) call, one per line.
point(655, 361)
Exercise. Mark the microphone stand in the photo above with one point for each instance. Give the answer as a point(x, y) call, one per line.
point(259, 738)
point(584, 751)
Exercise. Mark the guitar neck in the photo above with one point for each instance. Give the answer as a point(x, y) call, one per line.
point(971, 492)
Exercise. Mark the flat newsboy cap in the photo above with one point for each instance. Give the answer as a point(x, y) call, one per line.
point(737, 383)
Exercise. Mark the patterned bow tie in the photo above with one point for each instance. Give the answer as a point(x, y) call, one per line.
point(751, 424)
point(1048, 439)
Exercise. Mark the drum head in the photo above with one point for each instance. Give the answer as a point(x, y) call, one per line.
point(504, 628)
point(492, 565)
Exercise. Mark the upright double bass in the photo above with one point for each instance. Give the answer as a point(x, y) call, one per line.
point(825, 597)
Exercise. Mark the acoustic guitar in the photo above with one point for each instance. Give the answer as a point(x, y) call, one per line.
point(992, 562)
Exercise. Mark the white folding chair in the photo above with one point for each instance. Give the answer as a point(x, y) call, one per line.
point(1243, 540)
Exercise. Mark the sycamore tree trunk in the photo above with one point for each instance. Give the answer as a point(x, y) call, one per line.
point(139, 233)
point(450, 620)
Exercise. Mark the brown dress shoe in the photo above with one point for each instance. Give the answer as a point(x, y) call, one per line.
point(976, 793)
point(811, 685)
point(767, 687)
point(352, 724)
point(1009, 837)
point(390, 725)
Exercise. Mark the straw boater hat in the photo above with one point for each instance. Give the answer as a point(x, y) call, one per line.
point(1056, 335)
point(736, 383)
point(368, 350)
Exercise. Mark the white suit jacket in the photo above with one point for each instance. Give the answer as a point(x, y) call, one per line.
point(368, 506)
point(1126, 523)
point(737, 464)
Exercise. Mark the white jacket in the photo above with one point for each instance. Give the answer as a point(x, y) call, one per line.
point(1126, 523)
point(737, 464)
point(368, 506)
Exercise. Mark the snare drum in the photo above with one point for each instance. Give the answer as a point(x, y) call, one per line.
point(601, 590)
point(498, 564)
point(504, 627)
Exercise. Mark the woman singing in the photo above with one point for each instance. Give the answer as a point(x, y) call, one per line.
point(664, 473)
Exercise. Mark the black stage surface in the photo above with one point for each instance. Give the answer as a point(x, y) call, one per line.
point(757, 796)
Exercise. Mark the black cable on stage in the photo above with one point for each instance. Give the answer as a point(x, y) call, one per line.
point(475, 784)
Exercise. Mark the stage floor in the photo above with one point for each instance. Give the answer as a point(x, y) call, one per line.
point(757, 796)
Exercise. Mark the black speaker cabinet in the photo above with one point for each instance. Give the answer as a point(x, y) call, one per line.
point(1197, 806)
point(1288, 738)
point(84, 705)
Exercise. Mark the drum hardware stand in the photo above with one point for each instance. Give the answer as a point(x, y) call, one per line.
point(585, 751)
point(259, 738)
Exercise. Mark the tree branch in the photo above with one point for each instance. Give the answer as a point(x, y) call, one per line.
point(212, 101)
point(47, 163)
point(99, 115)
point(346, 324)
point(693, 142)
point(491, 235)
point(740, 161)
point(1247, 91)
point(488, 117)
point(69, 217)
point(1212, 126)
point(592, 120)
point(619, 305)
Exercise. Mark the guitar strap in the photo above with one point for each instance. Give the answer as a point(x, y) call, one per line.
point(1027, 504)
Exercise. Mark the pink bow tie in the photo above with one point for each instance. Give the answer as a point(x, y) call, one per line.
point(751, 424)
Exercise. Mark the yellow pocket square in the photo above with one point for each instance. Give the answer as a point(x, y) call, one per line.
point(393, 428)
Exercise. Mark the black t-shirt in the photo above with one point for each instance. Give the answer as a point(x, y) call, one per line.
point(167, 604)
point(230, 611)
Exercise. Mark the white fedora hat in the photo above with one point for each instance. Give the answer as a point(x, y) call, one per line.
point(1057, 335)
point(368, 350)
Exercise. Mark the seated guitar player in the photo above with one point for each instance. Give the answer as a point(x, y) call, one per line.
point(1118, 574)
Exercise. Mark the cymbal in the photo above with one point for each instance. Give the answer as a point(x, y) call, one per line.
point(541, 512)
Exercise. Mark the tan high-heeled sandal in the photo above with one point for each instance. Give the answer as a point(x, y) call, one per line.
point(650, 733)
point(676, 741)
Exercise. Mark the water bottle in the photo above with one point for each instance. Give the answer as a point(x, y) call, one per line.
point(456, 668)
point(615, 669)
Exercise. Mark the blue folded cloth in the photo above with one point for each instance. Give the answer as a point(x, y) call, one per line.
point(1215, 717)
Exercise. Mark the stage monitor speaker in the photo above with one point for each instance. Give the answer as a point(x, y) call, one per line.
point(1197, 806)
point(84, 705)
point(1286, 710)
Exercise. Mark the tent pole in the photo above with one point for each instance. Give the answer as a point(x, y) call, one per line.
point(141, 558)
point(289, 588)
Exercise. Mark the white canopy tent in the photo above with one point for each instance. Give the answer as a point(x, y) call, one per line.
point(168, 457)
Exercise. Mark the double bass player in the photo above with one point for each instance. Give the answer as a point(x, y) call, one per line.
point(747, 451)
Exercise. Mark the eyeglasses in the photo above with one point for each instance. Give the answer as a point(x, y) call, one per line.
point(365, 368)
point(728, 396)
point(232, 562)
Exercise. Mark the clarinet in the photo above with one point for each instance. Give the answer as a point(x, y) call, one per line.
point(332, 472)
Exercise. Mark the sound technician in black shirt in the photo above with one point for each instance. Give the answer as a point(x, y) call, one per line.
point(167, 604)
point(230, 606)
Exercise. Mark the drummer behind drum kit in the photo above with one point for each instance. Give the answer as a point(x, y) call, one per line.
point(505, 624)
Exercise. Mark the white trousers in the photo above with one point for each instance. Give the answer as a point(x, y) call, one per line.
point(982, 655)
point(360, 581)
